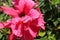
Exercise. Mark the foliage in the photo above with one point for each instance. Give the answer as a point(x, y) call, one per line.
point(51, 11)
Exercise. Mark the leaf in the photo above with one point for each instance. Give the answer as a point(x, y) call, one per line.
point(49, 33)
point(44, 38)
point(54, 2)
point(41, 34)
point(5, 4)
point(1, 35)
point(10, 2)
point(58, 27)
point(55, 23)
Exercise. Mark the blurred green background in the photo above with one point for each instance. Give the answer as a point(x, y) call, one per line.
point(51, 11)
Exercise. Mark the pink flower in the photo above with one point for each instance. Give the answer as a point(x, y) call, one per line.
point(26, 21)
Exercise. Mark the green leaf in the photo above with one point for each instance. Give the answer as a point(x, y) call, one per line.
point(41, 34)
point(54, 2)
point(1, 35)
point(49, 33)
point(10, 2)
point(5, 4)
point(44, 38)
point(55, 23)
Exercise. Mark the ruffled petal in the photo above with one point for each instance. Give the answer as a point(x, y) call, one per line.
point(29, 5)
point(34, 14)
point(40, 19)
point(11, 37)
point(32, 32)
point(5, 24)
point(15, 2)
point(10, 11)
point(1, 26)
point(18, 31)
point(19, 4)
point(41, 22)
point(33, 28)
point(26, 19)
point(27, 36)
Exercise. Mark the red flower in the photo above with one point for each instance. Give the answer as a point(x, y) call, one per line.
point(26, 21)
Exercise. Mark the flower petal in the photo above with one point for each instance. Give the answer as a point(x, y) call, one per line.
point(27, 36)
point(26, 19)
point(15, 1)
point(19, 4)
point(1, 26)
point(5, 24)
point(34, 14)
point(29, 5)
point(18, 31)
point(11, 37)
point(41, 22)
point(10, 11)
point(32, 32)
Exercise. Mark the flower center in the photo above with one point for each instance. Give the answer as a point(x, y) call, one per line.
point(22, 15)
